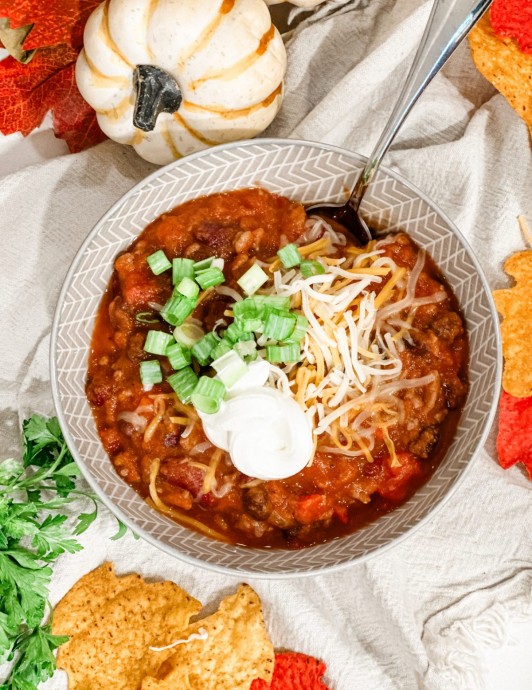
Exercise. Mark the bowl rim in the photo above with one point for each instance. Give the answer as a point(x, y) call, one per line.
point(171, 550)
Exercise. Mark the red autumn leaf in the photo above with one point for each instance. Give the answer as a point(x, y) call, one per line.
point(55, 21)
point(513, 19)
point(514, 440)
point(47, 83)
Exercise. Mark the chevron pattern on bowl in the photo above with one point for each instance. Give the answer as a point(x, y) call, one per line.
point(308, 173)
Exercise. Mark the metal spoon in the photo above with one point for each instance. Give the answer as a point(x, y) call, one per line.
point(448, 24)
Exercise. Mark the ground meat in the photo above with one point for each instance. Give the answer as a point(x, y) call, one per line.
point(448, 326)
point(126, 464)
point(424, 443)
point(175, 496)
point(135, 348)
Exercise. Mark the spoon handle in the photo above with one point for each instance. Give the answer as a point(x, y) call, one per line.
point(448, 24)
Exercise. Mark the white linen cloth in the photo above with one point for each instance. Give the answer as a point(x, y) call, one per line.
point(450, 608)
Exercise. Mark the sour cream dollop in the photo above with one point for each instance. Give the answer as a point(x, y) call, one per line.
point(264, 430)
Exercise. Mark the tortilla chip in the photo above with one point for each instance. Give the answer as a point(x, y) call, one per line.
point(504, 65)
point(294, 671)
point(514, 438)
point(515, 305)
point(77, 609)
point(236, 651)
point(112, 622)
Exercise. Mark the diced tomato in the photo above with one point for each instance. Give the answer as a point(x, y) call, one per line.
point(139, 285)
point(342, 514)
point(182, 474)
point(396, 486)
point(312, 508)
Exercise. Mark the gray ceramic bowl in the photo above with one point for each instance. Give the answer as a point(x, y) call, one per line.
point(308, 173)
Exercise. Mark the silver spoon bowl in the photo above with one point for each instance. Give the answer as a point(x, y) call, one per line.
point(449, 22)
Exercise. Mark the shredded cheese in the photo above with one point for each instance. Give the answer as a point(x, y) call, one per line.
point(202, 634)
point(360, 314)
point(211, 472)
point(391, 447)
point(183, 421)
point(159, 407)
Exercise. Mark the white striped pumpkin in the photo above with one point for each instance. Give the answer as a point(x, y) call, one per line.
point(226, 56)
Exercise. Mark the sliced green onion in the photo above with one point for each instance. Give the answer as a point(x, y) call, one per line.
point(183, 382)
point(279, 325)
point(188, 334)
point(209, 277)
point(177, 309)
point(188, 288)
point(150, 373)
point(147, 317)
point(249, 325)
point(203, 264)
point(208, 395)
point(157, 342)
point(248, 308)
point(289, 256)
point(218, 263)
point(182, 268)
point(247, 349)
point(253, 279)
point(275, 301)
point(158, 262)
point(283, 353)
point(233, 332)
point(246, 336)
point(178, 356)
point(221, 349)
point(299, 331)
point(202, 350)
point(310, 268)
point(230, 368)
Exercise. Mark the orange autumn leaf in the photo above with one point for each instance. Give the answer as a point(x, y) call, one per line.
point(54, 21)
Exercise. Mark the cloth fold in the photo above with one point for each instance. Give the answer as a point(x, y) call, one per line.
point(386, 624)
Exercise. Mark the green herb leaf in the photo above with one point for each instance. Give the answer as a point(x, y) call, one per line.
point(85, 520)
point(70, 470)
point(36, 661)
point(52, 540)
point(122, 530)
point(32, 535)
point(25, 588)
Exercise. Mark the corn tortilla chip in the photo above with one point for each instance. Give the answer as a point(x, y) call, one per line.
point(76, 611)
point(236, 651)
point(119, 618)
point(515, 305)
point(504, 65)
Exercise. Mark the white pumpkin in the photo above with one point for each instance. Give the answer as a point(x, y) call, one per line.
point(226, 57)
point(306, 4)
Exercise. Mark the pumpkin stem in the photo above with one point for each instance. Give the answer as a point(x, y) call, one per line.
point(157, 92)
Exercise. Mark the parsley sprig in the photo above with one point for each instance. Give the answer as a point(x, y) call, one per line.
point(33, 533)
